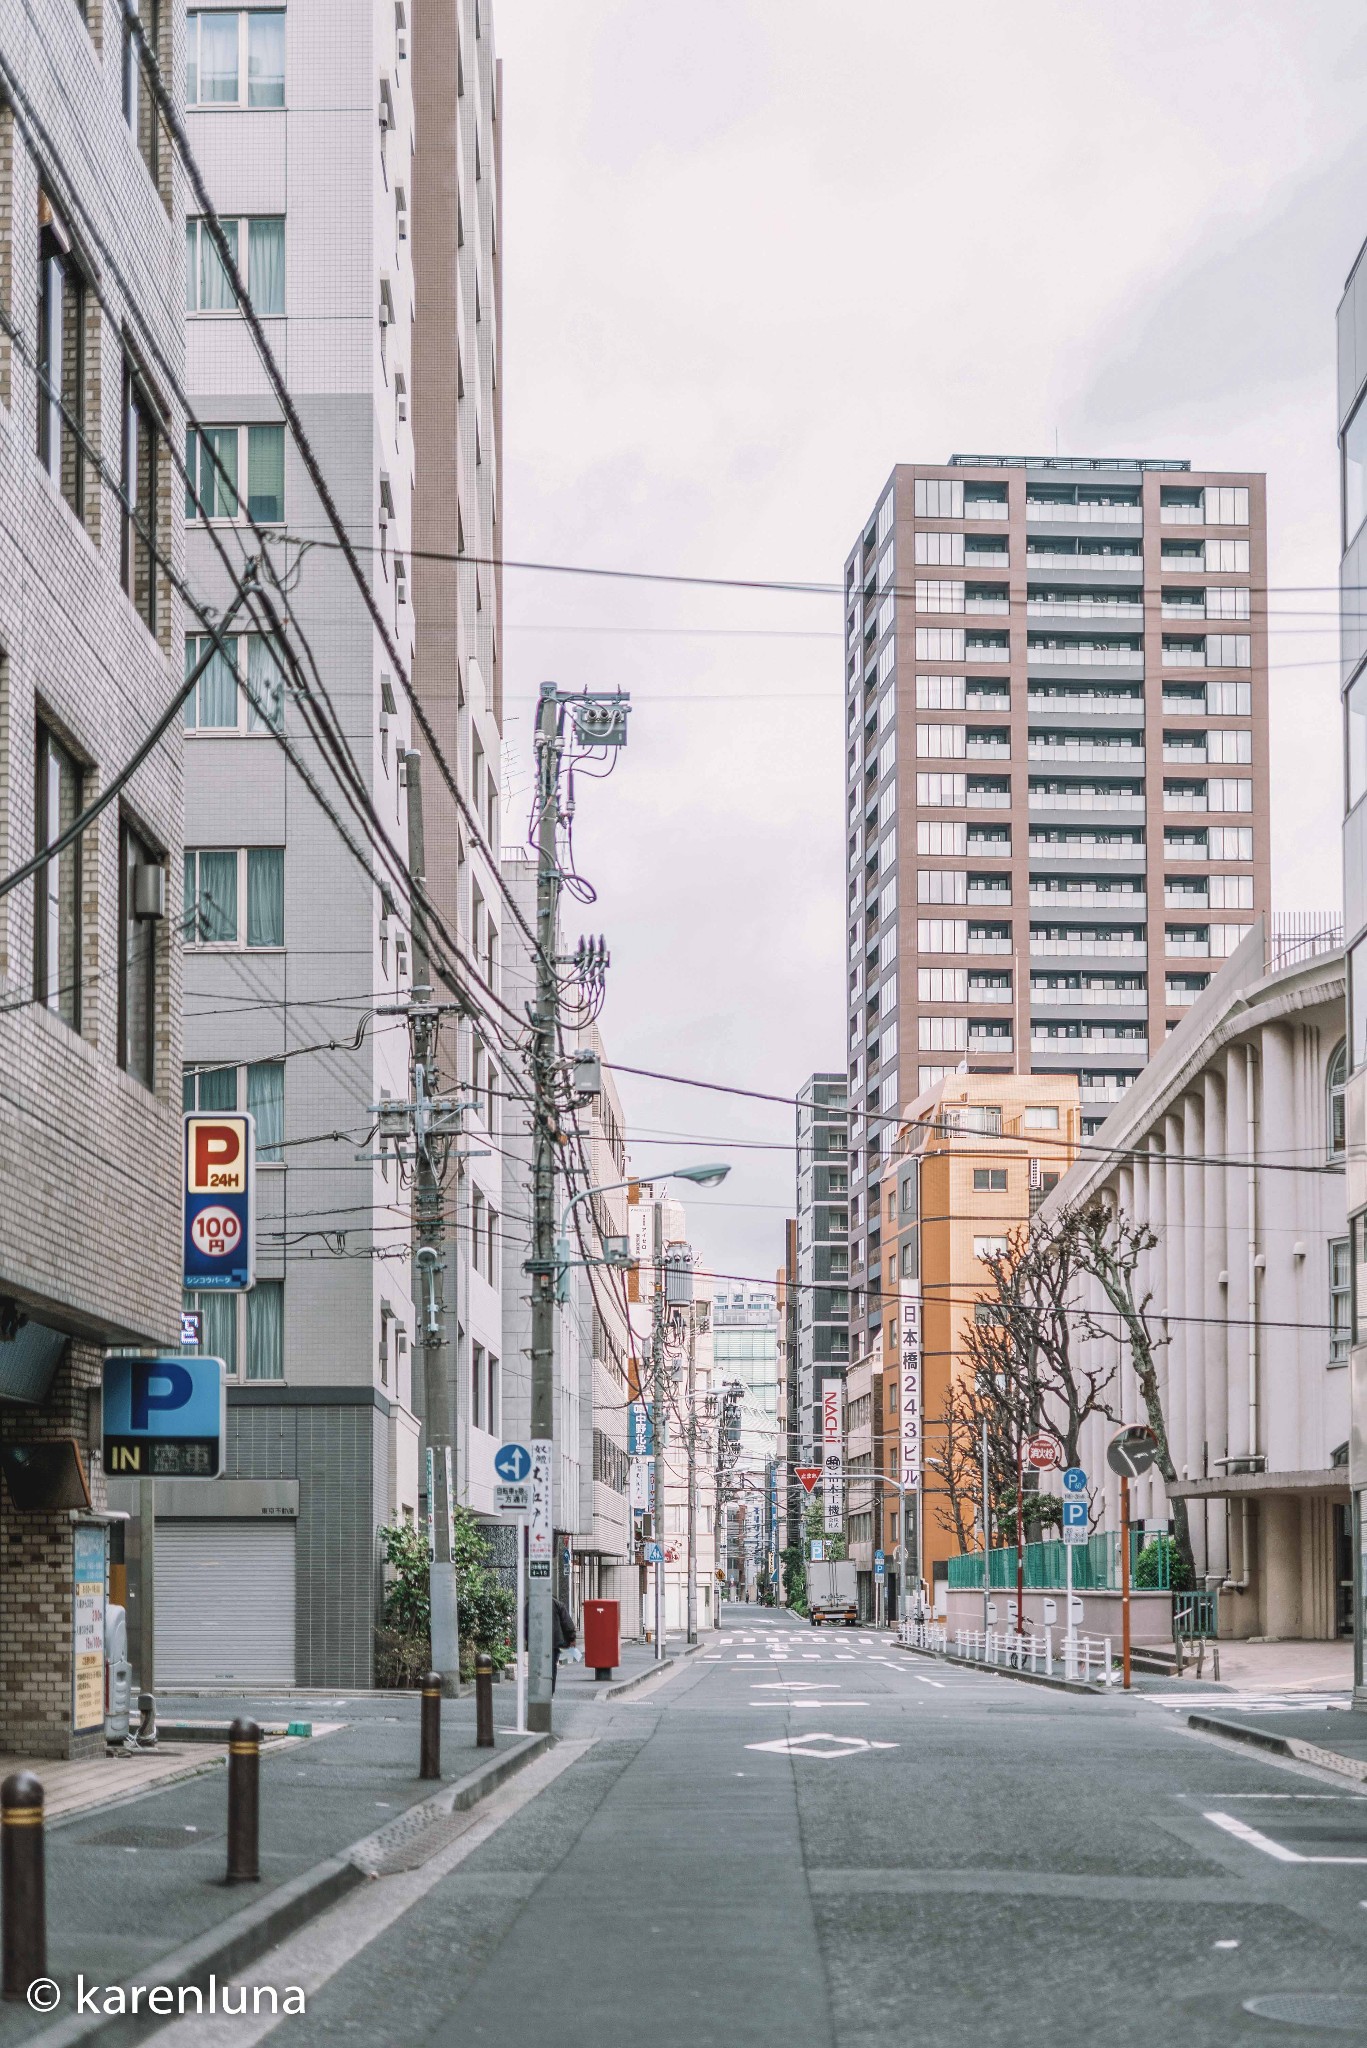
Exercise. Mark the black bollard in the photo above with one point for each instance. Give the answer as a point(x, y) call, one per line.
point(430, 1766)
point(23, 1891)
point(484, 1700)
point(244, 1802)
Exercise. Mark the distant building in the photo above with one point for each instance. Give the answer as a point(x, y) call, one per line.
point(745, 1351)
point(822, 1278)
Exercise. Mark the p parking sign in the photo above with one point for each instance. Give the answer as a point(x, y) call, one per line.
point(220, 1203)
point(165, 1417)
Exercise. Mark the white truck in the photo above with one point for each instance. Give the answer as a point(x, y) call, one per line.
point(832, 1596)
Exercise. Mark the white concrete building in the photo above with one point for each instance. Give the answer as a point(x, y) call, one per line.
point(1230, 1148)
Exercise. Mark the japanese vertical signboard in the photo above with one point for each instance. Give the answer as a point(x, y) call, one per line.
point(220, 1224)
point(832, 1459)
point(910, 1473)
point(87, 1627)
point(539, 1527)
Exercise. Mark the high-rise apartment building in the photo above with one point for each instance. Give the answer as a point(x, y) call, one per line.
point(1056, 681)
point(1352, 417)
point(820, 1310)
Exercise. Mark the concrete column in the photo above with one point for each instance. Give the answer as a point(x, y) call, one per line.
point(1236, 1251)
point(1317, 1567)
point(1170, 1307)
point(1279, 1566)
point(1213, 1298)
point(1280, 1140)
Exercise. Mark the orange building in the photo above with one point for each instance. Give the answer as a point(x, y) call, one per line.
point(972, 1162)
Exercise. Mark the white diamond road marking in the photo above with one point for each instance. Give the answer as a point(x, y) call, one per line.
point(793, 1685)
point(823, 1704)
point(805, 1745)
point(1242, 1832)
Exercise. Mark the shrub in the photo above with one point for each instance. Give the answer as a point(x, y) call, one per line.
point(1161, 1564)
point(403, 1646)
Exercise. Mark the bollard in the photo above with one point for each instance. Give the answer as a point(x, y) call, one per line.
point(23, 1893)
point(244, 1803)
point(430, 1766)
point(484, 1700)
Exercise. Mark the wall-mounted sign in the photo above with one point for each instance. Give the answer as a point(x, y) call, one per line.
point(832, 1459)
point(220, 1199)
point(87, 1626)
point(164, 1418)
point(910, 1389)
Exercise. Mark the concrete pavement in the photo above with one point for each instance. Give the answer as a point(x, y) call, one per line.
point(800, 1838)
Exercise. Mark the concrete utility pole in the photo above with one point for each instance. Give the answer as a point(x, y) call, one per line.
point(436, 1305)
point(657, 1419)
point(692, 1508)
point(543, 1018)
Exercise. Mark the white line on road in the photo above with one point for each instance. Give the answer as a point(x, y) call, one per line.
point(921, 1679)
point(1242, 1832)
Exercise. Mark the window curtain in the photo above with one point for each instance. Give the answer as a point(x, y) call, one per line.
point(265, 59)
point(266, 264)
point(266, 1331)
point(215, 289)
point(217, 1088)
point(217, 479)
point(266, 473)
point(218, 1337)
point(265, 896)
point(218, 59)
point(213, 701)
point(214, 902)
point(266, 1101)
point(265, 683)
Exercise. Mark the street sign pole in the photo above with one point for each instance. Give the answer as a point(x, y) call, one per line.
point(521, 1527)
point(1068, 1574)
point(1125, 1577)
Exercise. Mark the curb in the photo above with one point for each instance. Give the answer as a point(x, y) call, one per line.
point(614, 1692)
point(1072, 1685)
point(1293, 1746)
point(227, 1948)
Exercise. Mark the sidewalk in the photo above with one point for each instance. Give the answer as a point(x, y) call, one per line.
point(1333, 1738)
point(132, 1887)
point(577, 1681)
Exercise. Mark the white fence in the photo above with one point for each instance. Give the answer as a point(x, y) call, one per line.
point(1077, 1656)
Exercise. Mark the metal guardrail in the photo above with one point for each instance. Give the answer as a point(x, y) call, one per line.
point(1079, 1657)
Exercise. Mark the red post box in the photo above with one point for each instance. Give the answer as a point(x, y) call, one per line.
point(602, 1636)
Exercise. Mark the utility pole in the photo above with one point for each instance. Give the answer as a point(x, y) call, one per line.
point(692, 1504)
point(657, 1419)
point(542, 1264)
point(436, 1306)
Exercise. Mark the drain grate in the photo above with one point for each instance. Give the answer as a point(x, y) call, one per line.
point(422, 1846)
point(1343, 2012)
point(150, 1838)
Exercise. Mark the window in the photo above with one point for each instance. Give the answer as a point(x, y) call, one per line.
point(937, 498)
point(942, 792)
point(207, 286)
point(1225, 747)
point(1226, 505)
point(1358, 1226)
point(217, 458)
point(1227, 557)
point(989, 1247)
point(942, 885)
point(942, 935)
point(219, 1317)
point(1228, 700)
point(941, 742)
point(939, 643)
point(1039, 1116)
point(1228, 650)
point(1231, 842)
point(939, 595)
point(235, 59)
point(57, 886)
point(1357, 1011)
point(258, 1088)
point(1355, 734)
point(1336, 1083)
point(141, 460)
point(265, 1314)
point(1340, 1300)
point(1234, 794)
point(989, 1180)
point(223, 883)
point(941, 693)
point(942, 837)
point(142, 904)
point(1230, 892)
point(943, 1034)
point(62, 423)
point(942, 984)
point(939, 550)
point(242, 689)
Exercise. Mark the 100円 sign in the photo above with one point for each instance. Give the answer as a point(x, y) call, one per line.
point(164, 1418)
point(220, 1202)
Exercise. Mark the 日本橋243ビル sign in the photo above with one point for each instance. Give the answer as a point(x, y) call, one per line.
point(164, 1417)
point(220, 1196)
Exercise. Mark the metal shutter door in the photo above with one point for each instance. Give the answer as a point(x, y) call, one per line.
point(225, 1603)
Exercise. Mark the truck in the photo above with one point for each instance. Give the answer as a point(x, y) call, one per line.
point(831, 1594)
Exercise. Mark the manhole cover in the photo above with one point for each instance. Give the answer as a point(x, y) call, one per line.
point(1343, 2011)
point(149, 1838)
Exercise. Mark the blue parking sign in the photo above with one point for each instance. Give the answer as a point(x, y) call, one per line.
point(164, 1417)
point(1075, 1480)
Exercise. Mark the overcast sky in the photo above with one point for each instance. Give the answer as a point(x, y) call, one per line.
point(757, 251)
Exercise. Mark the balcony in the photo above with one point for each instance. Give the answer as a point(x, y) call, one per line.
point(1115, 902)
point(1041, 511)
point(1088, 703)
point(1084, 654)
point(988, 799)
point(1093, 1090)
point(996, 604)
point(1088, 799)
point(985, 508)
point(988, 746)
point(1096, 611)
point(989, 553)
point(1102, 753)
point(988, 992)
point(1187, 945)
point(1086, 848)
point(1186, 849)
point(1084, 1048)
point(1083, 944)
point(989, 1042)
point(1088, 995)
point(1090, 564)
point(995, 891)
point(1186, 753)
point(1185, 706)
point(1182, 994)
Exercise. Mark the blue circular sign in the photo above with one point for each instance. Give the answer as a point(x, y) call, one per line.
point(1075, 1480)
point(512, 1462)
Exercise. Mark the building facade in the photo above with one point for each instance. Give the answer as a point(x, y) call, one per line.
point(821, 1302)
point(297, 946)
point(91, 631)
point(1056, 777)
point(1231, 1150)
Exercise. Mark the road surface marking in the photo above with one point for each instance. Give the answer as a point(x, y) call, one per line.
point(1242, 1832)
point(921, 1680)
point(804, 1745)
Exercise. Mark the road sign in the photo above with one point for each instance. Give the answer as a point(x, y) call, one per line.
point(1076, 1521)
point(513, 1463)
point(808, 1474)
point(654, 1553)
point(879, 1565)
point(1075, 1480)
point(513, 1499)
point(164, 1418)
point(220, 1203)
point(1042, 1453)
point(818, 1550)
point(1131, 1451)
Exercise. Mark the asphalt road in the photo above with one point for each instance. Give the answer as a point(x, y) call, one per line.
point(809, 1838)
